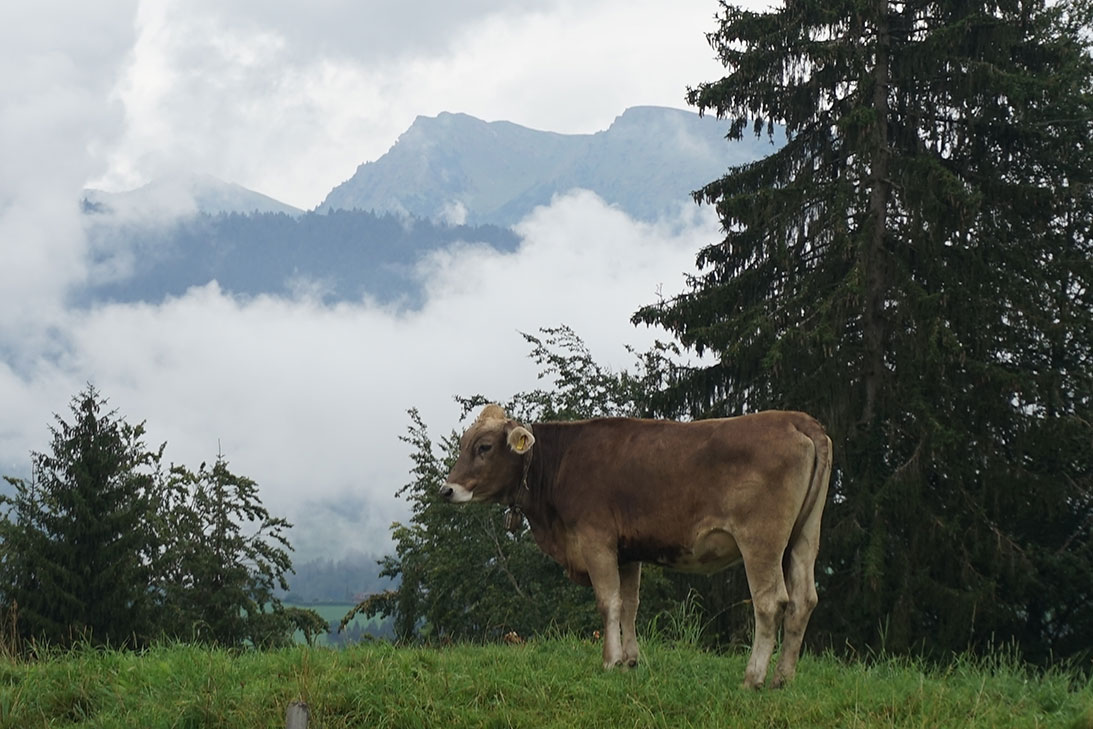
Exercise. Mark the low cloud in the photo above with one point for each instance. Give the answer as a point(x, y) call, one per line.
point(310, 399)
point(56, 72)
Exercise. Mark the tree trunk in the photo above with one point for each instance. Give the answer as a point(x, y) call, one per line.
point(873, 263)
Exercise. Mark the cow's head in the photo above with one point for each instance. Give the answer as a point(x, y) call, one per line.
point(491, 459)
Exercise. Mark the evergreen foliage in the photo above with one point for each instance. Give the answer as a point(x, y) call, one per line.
point(340, 255)
point(914, 267)
point(78, 538)
point(100, 547)
point(341, 580)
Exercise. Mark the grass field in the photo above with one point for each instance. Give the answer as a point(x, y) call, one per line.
point(544, 683)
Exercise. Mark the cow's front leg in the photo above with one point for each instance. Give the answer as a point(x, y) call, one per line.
point(603, 571)
point(629, 585)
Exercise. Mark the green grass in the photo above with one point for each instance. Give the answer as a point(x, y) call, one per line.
point(545, 683)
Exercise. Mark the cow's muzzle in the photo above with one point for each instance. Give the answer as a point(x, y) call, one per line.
point(454, 493)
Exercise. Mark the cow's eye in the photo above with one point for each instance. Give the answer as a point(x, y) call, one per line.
point(484, 448)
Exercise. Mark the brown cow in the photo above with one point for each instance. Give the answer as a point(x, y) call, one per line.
point(602, 496)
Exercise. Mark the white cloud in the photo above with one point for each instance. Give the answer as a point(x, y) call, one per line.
point(454, 213)
point(55, 75)
point(309, 400)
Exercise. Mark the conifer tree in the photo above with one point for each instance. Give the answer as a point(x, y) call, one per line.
point(77, 538)
point(99, 547)
point(914, 267)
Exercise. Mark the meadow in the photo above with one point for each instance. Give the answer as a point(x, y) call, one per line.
point(553, 682)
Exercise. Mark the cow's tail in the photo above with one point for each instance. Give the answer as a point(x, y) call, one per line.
point(816, 496)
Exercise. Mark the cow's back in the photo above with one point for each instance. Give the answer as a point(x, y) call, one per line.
point(679, 494)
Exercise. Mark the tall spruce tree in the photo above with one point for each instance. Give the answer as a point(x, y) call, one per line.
point(914, 267)
point(77, 538)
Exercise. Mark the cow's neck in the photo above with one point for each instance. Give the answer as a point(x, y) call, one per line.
point(532, 497)
point(521, 499)
point(518, 500)
point(523, 504)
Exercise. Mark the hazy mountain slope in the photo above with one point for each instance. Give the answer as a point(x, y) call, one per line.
point(183, 195)
point(185, 231)
point(443, 162)
point(650, 160)
point(338, 256)
point(457, 167)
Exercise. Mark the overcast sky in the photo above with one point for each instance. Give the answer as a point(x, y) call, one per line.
point(288, 99)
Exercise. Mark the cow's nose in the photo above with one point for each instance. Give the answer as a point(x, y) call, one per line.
point(446, 492)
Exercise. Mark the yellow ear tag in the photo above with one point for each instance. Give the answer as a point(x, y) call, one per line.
point(523, 446)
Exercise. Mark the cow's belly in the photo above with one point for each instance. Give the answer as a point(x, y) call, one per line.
point(566, 552)
point(575, 567)
point(713, 551)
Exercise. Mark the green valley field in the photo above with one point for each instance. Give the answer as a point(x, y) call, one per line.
point(545, 683)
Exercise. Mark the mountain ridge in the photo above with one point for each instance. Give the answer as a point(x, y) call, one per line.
point(447, 179)
point(457, 168)
point(181, 195)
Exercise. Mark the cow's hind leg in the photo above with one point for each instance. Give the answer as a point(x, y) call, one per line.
point(801, 585)
point(630, 584)
point(769, 598)
point(800, 566)
point(603, 571)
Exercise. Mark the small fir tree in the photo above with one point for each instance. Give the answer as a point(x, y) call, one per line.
point(77, 537)
point(98, 546)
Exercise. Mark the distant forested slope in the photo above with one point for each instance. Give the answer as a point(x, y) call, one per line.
point(339, 255)
point(345, 580)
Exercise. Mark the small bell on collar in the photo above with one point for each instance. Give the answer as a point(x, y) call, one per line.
point(514, 519)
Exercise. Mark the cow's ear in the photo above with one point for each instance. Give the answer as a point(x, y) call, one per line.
point(521, 440)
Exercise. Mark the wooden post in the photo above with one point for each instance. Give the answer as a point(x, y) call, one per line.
point(296, 716)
